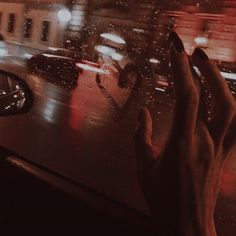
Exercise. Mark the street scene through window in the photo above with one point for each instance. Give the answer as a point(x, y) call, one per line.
point(74, 76)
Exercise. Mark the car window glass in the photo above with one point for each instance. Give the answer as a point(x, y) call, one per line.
point(85, 112)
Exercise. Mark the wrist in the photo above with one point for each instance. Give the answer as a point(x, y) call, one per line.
point(174, 225)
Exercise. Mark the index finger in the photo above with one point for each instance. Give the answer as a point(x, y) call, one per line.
point(224, 103)
point(212, 74)
point(186, 94)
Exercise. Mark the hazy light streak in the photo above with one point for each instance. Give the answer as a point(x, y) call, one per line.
point(113, 37)
point(92, 68)
point(164, 83)
point(28, 55)
point(52, 48)
point(160, 89)
point(201, 40)
point(117, 56)
point(228, 75)
point(105, 49)
point(55, 56)
point(154, 61)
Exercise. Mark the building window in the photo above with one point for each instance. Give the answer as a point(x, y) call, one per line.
point(11, 23)
point(27, 28)
point(45, 31)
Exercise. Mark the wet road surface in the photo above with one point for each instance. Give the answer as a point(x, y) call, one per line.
point(86, 134)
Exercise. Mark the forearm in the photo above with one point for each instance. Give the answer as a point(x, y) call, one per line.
point(169, 226)
point(188, 230)
point(176, 205)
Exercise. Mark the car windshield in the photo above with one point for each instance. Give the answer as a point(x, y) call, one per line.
point(85, 110)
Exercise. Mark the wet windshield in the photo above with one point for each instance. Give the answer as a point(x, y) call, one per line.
point(91, 66)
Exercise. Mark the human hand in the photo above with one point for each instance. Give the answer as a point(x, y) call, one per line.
point(182, 185)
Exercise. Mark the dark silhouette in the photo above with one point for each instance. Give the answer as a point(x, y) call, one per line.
point(182, 185)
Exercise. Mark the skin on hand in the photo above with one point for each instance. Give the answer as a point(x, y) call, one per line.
point(182, 185)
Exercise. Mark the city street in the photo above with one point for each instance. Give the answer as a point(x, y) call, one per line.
point(86, 133)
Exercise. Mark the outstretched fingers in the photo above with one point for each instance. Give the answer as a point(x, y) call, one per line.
point(224, 103)
point(143, 143)
point(186, 93)
point(203, 96)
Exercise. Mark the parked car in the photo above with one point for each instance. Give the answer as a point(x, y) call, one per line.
point(108, 51)
point(60, 63)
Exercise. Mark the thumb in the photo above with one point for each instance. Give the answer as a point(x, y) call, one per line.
point(143, 143)
point(144, 130)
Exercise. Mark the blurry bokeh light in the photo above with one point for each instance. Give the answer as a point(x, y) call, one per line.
point(117, 56)
point(64, 15)
point(201, 41)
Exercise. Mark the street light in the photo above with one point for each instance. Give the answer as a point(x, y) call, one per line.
point(64, 15)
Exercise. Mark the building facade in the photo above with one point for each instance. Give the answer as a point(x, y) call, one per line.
point(32, 25)
point(143, 24)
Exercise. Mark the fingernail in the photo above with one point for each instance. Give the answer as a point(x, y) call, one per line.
point(198, 52)
point(176, 41)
